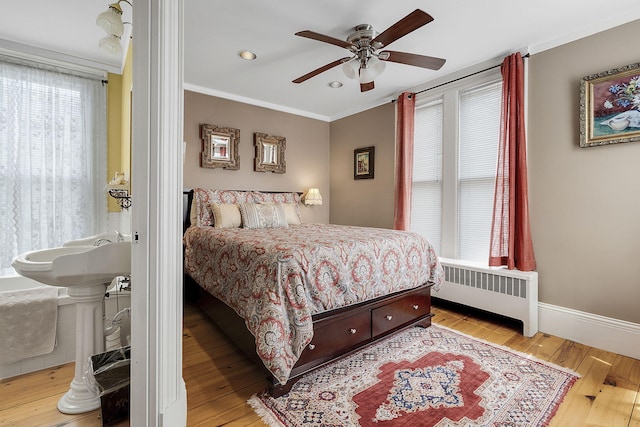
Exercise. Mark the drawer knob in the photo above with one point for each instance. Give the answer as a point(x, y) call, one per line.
point(416, 306)
point(312, 346)
point(352, 331)
point(389, 317)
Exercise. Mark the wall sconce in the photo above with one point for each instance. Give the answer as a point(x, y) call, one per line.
point(111, 22)
point(313, 197)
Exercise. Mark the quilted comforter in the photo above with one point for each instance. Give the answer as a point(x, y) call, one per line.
point(278, 278)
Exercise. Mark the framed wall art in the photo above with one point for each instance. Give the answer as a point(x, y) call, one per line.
point(610, 107)
point(219, 147)
point(363, 162)
point(269, 153)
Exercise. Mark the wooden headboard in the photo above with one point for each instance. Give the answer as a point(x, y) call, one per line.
point(187, 199)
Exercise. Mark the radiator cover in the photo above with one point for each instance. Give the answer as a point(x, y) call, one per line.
point(511, 293)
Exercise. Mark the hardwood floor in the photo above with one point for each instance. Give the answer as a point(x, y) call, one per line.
point(220, 379)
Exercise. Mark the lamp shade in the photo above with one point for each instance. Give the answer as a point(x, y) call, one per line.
point(313, 197)
point(111, 20)
point(111, 45)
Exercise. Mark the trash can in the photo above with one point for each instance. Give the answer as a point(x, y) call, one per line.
point(110, 376)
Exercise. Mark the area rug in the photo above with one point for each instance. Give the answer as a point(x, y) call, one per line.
point(423, 377)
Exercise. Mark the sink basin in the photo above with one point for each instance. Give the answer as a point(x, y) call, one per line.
point(86, 270)
point(76, 264)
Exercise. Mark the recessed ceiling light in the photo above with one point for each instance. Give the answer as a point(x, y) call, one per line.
point(248, 55)
point(335, 84)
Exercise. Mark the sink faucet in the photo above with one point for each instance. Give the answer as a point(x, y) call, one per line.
point(102, 240)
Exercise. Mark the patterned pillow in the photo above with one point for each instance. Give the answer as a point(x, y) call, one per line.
point(226, 215)
point(201, 215)
point(285, 198)
point(262, 215)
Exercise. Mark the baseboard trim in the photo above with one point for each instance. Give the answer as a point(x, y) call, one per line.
point(606, 333)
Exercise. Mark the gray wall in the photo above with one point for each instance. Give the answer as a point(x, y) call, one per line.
point(307, 150)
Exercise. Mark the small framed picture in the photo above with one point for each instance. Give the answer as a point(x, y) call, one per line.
point(363, 162)
point(610, 107)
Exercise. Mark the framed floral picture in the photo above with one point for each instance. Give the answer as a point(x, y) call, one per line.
point(363, 162)
point(610, 107)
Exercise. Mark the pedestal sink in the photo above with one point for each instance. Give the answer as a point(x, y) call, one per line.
point(85, 270)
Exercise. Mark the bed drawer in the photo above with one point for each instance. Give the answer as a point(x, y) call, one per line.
point(336, 336)
point(399, 312)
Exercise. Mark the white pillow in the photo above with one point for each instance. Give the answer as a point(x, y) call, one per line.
point(291, 213)
point(226, 215)
point(262, 215)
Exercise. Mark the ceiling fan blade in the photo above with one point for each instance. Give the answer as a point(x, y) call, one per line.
point(321, 70)
point(409, 23)
point(321, 37)
point(366, 86)
point(416, 60)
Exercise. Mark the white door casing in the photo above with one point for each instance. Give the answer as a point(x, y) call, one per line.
point(158, 393)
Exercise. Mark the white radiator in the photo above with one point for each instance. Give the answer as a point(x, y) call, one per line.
point(511, 293)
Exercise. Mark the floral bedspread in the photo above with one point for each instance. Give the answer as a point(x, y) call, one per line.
point(277, 278)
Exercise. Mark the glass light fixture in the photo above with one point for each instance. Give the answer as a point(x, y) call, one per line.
point(111, 20)
point(365, 70)
point(350, 68)
point(313, 197)
point(374, 68)
point(111, 45)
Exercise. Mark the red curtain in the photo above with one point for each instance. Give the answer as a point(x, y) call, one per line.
point(511, 243)
point(404, 161)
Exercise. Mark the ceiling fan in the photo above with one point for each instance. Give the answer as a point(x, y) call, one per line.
point(367, 61)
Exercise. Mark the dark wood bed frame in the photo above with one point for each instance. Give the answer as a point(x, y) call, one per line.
point(337, 332)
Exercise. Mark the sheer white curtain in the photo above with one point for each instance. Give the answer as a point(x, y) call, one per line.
point(52, 158)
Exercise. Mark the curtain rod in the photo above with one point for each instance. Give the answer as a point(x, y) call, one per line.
point(460, 78)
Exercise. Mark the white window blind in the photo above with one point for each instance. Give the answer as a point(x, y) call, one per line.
point(426, 203)
point(479, 134)
point(52, 158)
point(457, 129)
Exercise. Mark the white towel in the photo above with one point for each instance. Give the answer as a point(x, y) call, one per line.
point(28, 320)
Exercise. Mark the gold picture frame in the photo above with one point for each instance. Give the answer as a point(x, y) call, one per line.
point(610, 107)
point(219, 147)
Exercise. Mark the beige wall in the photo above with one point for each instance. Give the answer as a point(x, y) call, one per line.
point(307, 150)
point(584, 202)
point(364, 202)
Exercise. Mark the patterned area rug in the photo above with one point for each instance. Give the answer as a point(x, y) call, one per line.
point(423, 377)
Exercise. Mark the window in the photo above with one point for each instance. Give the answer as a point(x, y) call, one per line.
point(457, 130)
point(52, 158)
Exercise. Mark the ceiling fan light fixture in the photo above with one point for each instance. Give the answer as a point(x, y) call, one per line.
point(350, 68)
point(374, 67)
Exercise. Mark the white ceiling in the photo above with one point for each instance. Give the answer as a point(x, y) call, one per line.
point(464, 32)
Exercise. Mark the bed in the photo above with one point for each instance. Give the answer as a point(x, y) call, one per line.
point(294, 296)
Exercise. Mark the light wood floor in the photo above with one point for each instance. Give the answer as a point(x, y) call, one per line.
point(220, 379)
